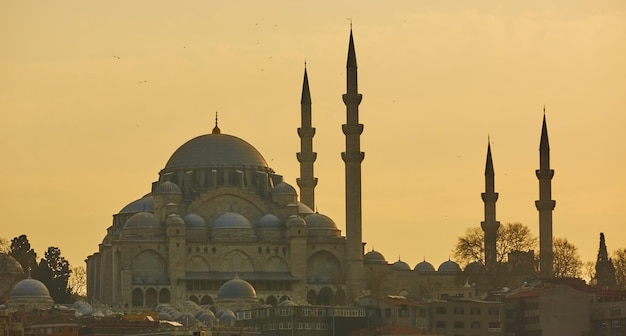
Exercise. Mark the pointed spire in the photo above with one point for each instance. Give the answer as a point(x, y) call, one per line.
point(351, 64)
point(489, 164)
point(216, 130)
point(306, 93)
point(603, 255)
point(544, 145)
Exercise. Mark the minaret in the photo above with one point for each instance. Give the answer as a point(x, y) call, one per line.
point(545, 204)
point(490, 225)
point(306, 156)
point(605, 270)
point(353, 158)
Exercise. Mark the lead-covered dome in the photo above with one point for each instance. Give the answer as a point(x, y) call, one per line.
point(30, 289)
point(236, 288)
point(319, 221)
point(212, 150)
point(400, 266)
point(195, 220)
point(145, 203)
point(231, 220)
point(284, 188)
point(168, 187)
point(424, 266)
point(449, 267)
point(143, 220)
point(374, 257)
point(269, 221)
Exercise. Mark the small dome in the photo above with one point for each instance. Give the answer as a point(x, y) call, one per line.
point(304, 209)
point(269, 221)
point(193, 220)
point(284, 188)
point(30, 289)
point(287, 303)
point(236, 289)
point(296, 221)
point(145, 203)
point(143, 220)
point(449, 267)
point(231, 220)
point(227, 318)
point(400, 266)
point(168, 187)
point(424, 266)
point(319, 221)
point(475, 267)
point(164, 316)
point(186, 319)
point(374, 257)
point(208, 317)
point(9, 265)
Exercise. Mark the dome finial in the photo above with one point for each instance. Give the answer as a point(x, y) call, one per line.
point(216, 130)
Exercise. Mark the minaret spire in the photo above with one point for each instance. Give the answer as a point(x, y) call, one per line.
point(490, 225)
point(545, 204)
point(306, 156)
point(352, 158)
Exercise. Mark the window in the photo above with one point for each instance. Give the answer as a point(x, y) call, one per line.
point(459, 310)
point(284, 325)
point(493, 311)
point(475, 325)
point(440, 310)
point(422, 312)
point(307, 325)
point(459, 324)
point(475, 311)
point(306, 312)
point(387, 312)
point(441, 324)
point(403, 312)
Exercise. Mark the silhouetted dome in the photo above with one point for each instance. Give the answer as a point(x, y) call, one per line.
point(269, 221)
point(193, 220)
point(424, 266)
point(400, 266)
point(145, 203)
point(319, 221)
point(474, 267)
point(284, 188)
point(168, 187)
point(287, 303)
point(216, 150)
point(30, 289)
point(235, 289)
point(449, 267)
point(374, 257)
point(231, 220)
point(296, 221)
point(227, 318)
point(186, 319)
point(9, 265)
point(143, 220)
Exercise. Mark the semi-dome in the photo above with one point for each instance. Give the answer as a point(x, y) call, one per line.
point(269, 221)
point(374, 257)
point(231, 220)
point(449, 267)
point(194, 220)
point(30, 289)
point(400, 266)
point(284, 188)
point(211, 150)
point(319, 221)
point(304, 209)
point(143, 220)
point(145, 203)
point(424, 266)
point(168, 187)
point(236, 289)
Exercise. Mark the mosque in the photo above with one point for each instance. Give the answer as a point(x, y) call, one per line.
point(220, 225)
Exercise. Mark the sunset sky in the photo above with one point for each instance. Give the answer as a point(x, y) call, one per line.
point(95, 96)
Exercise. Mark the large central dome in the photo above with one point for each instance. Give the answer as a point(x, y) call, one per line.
point(212, 150)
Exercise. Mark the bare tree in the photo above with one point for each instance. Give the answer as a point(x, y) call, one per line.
point(619, 261)
point(510, 237)
point(78, 281)
point(589, 270)
point(566, 260)
point(5, 247)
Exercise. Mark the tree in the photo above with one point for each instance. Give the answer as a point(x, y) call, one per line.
point(21, 251)
point(589, 271)
point(54, 271)
point(619, 261)
point(510, 237)
point(566, 262)
point(4, 246)
point(78, 281)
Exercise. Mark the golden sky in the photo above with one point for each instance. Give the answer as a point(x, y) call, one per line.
point(96, 95)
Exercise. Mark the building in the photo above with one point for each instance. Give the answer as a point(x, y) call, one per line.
point(217, 211)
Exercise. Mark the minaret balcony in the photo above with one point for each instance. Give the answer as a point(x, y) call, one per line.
point(352, 129)
point(352, 157)
point(306, 132)
point(545, 204)
point(544, 174)
point(306, 156)
point(352, 98)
